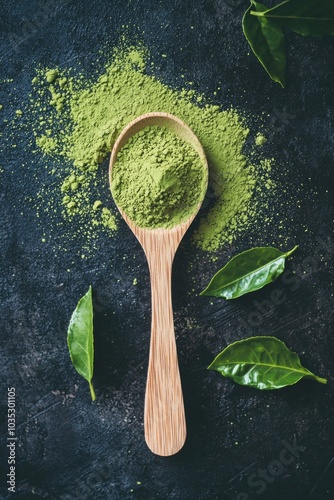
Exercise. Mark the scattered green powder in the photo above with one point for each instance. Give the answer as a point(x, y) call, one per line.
point(76, 121)
point(260, 140)
point(97, 204)
point(158, 179)
point(46, 143)
point(51, 75)
point(108, 219)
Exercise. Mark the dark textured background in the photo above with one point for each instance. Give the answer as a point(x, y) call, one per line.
point(69, 448)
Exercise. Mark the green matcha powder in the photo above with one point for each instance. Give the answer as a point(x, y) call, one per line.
point(158, 179)
point(75, 121)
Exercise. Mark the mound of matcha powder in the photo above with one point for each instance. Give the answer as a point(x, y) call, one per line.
point(158, 178)
point(76, 120)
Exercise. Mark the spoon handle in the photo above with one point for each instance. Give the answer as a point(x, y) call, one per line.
point(165, 426)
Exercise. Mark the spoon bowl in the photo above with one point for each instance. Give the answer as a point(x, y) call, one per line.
point(164, 416)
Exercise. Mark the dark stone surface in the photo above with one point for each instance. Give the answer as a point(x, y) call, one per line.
point(69, 448)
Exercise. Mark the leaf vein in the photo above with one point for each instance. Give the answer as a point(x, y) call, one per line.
point(266, 364)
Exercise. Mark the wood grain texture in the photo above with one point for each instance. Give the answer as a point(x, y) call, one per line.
point(165, 426)
point(164, 416)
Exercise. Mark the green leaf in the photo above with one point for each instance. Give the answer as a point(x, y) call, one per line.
point(80, 339)
point(306, 17)
point(247, 272)
point(267, 41)
point(261, 362)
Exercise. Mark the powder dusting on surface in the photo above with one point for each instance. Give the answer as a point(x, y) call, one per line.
point(260, 140)
point(76, 120)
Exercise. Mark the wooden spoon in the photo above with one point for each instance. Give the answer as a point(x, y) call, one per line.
point(164, 418)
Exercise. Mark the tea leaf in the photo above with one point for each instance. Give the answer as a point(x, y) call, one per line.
point(261, 362)
point(247, 272)
point(306, 17)
point(80, 339)
point(267, 41)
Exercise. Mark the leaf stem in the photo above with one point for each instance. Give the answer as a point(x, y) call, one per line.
point(291, 251)
point(92, 392)
point(273, 16)
point(321, 380)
